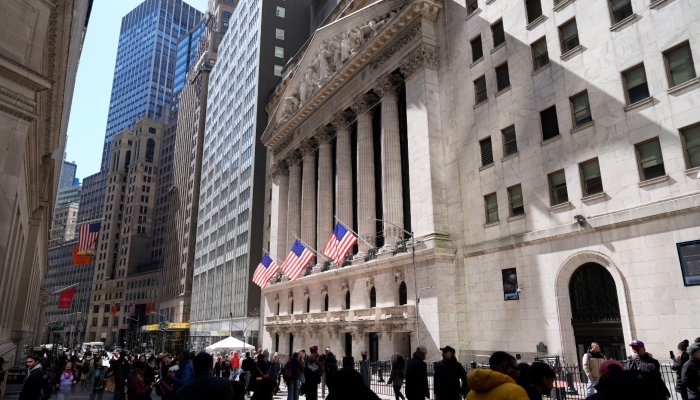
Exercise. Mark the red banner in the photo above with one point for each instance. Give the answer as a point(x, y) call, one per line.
point(66, 297)
point(149, 307)
point(113, 310)
point(77, 260)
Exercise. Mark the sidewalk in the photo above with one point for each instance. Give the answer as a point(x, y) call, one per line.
point(282, 394)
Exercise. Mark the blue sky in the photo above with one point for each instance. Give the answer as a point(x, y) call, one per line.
point(88, 116)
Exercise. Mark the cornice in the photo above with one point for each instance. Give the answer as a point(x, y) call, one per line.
point(425, 56)
point(21, 114)
point(18, 97)
point(23, 76)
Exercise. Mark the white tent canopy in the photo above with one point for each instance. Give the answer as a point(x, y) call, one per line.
point(230, 343)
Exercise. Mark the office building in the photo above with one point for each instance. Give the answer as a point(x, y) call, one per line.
point(68, 170)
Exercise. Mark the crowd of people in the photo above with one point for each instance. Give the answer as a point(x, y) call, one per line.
point(260, 374)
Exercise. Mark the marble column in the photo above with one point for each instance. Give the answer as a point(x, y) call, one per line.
point(280, 202)
point(324, 218)
point(388, 88)
point(366, 196)
point(343, 170)
point(293, 159)
point(308, 193)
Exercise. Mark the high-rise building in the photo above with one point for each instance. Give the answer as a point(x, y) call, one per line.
point(68, 194)
point(262, 35)
point(67, 174)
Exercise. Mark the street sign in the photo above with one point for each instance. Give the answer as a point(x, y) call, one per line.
point(57, 328)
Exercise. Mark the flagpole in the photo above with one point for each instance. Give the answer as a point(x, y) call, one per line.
point(312, 249)
point(278, 261)
point(353, 232)
point(65, 288)
point(275, 258)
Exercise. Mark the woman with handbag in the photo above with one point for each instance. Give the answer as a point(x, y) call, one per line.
point(259, 372)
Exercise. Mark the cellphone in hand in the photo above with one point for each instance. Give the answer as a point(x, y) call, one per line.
point(671, 353)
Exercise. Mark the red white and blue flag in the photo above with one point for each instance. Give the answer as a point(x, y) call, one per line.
point(339, 243)
point(87, 237)
point(297, 259)
point(265, 270)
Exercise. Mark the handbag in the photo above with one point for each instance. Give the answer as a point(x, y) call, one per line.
point(109, 383)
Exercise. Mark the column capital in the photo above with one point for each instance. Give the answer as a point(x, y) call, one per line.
point(308, 146)
point(388, 85)
point(323, 134)
point(363, 103)
point(341, 120)
point(423, 56)
point(279, 168)
point(292, 158)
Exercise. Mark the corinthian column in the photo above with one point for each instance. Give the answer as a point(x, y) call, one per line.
point(343, 171)
point(388, 88)
point(280, 202)
point(308, 193)
point(366, 196)
point(294, 209)
point(324, 216)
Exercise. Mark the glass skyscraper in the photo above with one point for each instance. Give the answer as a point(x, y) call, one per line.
point(186, 53)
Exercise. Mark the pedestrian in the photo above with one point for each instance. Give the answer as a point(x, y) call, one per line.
point(313, 350)
point(312, 375)
point(225, 367)
point(450, 378)
point(204, 385)
point(149, 374)
point(235, 365)
point(417, 375)
point(217, 365)
point(247, 365)
point(95, 379)
point(541, 377)
point(348, 386)
point(33, 382)
point(184, 372)
point(523, 375)
point(304, 359)
point(275, 369)
point(498, 382)
point(267, 388)
point(65, 382)
point(691, 372)
point(119, 369)
point(165, 385)
point(322, 365)
point(136, 385)
point(591, 366)
point(330, 367)
point(678, 361)
point(617, 383)
point(364, 369)
point(397, 375)
point(643, 361)
point(292, 376)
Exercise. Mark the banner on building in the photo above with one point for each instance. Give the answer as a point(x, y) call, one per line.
point(78, 259)
point(113, 310)
point(149, 307)
point(66, 298)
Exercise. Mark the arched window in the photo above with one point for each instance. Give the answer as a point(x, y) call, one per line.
point(325, 304)
point(127, 160)
point(372, 298)
point(403, 295)
point(347, 300)
point(308, 304)
point(150, 150)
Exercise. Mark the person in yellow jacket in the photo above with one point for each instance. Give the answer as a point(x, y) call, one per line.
point(497, 383)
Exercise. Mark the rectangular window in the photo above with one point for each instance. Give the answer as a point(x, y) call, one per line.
point(581, 109)
point(278, 70)
point(280, 12)
point(279, 52)
point(590, 177)
point(502, 77)
point(279, 34)
point(557, 188)
point(620, 9)
point(651, 162)
point(499, 36)
point(534, 10)
point(540, 56)
point(491, 204)
point(515, 198)
point(550, 123)
point(679, 64)
point(568, 34)
point(486, 152)
point(227, 14)
point(510, 146)
point(691, 143)
point(106, 307)
point(477, 49)
point(472, 5)
point(636, 86)
point(480, 90)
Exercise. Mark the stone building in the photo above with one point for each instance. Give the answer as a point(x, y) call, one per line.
point(40, 44)
point(63, 226)
point(544, 154)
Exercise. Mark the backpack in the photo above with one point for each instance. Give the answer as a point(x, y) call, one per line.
point(85, 367)
point(47, 386)
point(288, 370)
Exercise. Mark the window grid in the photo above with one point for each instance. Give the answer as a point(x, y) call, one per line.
point(550, 123)
point(651, 162)
point(620, 9)
point(557, 188)
point(568, 33)
point(491, 206)
point(540, 55)
point(486, 152)
point(581, 109)
point(502, 77)
point(636, 88)
point(591, 181)
point(534, 10)
point(499, 35)
point(515, 200)
point(691, 144)
point(472, 5)
point(480, 90)
point(477, 49)
point(510, 145)
point(279, 34)
point(679, 64)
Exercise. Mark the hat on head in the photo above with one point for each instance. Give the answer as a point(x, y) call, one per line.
point(683, 346)
point(609, 366)
point(693, 348)
point(448, 348)
point(637, 343)
point(174, 368)
point(348, 362)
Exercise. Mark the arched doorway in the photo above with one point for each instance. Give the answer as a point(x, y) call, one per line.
point(595, 311)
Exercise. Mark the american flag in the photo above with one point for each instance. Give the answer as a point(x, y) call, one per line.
point(87, 237)
point(339, 243)
point(265, 270)
point(296, 261)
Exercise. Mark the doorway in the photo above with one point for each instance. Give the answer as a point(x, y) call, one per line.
point(291, 345)
point(348, 344)
point(373, 346)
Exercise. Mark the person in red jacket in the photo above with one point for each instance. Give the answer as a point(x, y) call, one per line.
point(235, 364)
point(137, 388)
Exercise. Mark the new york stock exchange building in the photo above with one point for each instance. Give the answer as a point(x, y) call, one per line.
point(537, 167)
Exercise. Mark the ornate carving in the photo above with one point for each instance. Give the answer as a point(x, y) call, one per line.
point(370, 282)
point(424, 56)
point(324, 289)
point(279, 168)
point(388, 85)
point(306, 292)
point(323, 134)
point(399, 277)
point(277, 297)
point(345, 285)
point(293, 158)
point(364, 103)
point(308, 147)
point(411, 32)
point(284, 143)
point(341, 120)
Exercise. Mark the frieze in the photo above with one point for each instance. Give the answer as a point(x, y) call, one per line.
point(281, 146)
point(411, 33)
point(424, 56)
point(16, 96)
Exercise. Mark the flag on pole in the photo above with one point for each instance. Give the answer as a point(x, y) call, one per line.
point(149, 307)
point(296, 261)
point(77, 260)
point(339, 243)
point(265, 270)
point(65, 298)
point(131, 308)
point(87, 237)
point(113, 310)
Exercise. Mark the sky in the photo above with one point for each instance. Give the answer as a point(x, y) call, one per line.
point(93, 86)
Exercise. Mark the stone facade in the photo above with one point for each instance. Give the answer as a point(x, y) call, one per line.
point(441, 156)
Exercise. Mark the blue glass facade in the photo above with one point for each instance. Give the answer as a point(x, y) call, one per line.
point(186, 53)
point(145, 66)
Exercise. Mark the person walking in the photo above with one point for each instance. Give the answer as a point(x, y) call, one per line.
point(184, 372)
point(330, 367)
point(417, 376)
point(136, 385)
point(498, 382)
point(149, 373)
point(678, 361)
point(235, 365)
point(120, 370)
point(690, 374)
point(450, 378)
point(95, 379)
point(292, 376)
point(204, 385)
point(644, 362)
point(165, 385)
point(591, 366)
point(397, 375)
point(217, 365)
point(33, 382)
point(247, 365)
point(364, 370)
point(275, 369)
point(65, 382)
point(541, 377)
point(322, 365)
point(312, 375)
point(225, 367)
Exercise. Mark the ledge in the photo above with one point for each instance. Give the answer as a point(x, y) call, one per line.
point(481, 104)
point(562, 5)
point(490, 224)
point(684, 85)
point(480, 59)
point(650, 182)
point(495, 49)
point(692, 170)
point(516, 217)
point(571, 52)
point(489, 1)
point(503, 91)
point(560, 206)
point(593, 197)
point(510, 156)
point(475, 12)
point(623, 22)
point(582, 127)
point(487, 166)
point(550, 140)
point(535, 22)
point(654, 4)
point(639, 103)
point(537, 71)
